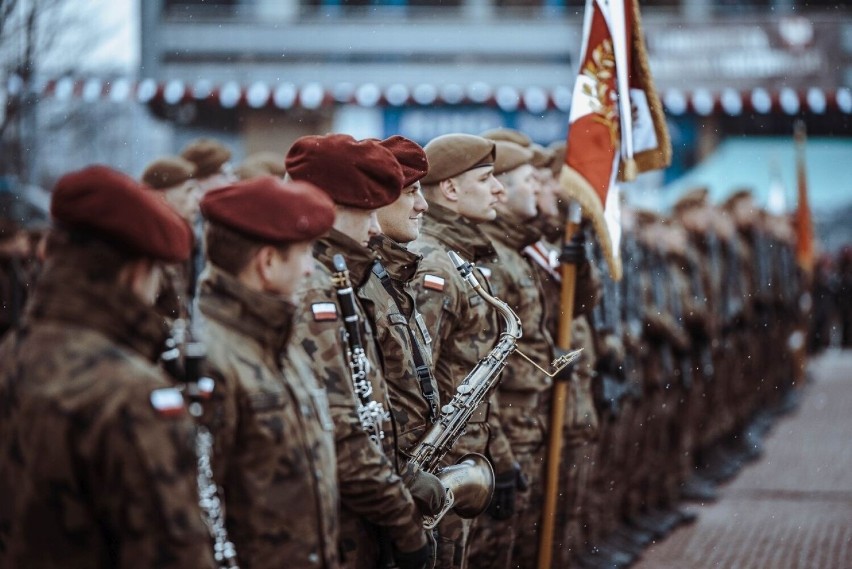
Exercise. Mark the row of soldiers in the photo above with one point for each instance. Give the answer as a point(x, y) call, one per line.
point(290, 443)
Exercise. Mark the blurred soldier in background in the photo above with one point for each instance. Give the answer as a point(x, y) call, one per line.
point(264, 163)
point(513, 279)
point(462, 193)
point(173, 177)
point(212, 163)
point(15, 250)
point(361, 177)
point(274, 446)
point(120, 489)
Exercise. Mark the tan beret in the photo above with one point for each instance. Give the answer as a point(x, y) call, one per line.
point(542, 157)
point(453, 154)
point(207, 154)
point(168, 172)
point(264, 163)
point(646, 216)
point(507, 134)
point(739, 195)
point(695, 197)
point(557, 149)
point(510, 156)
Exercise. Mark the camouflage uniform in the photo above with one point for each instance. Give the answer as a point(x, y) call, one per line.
point(274, 451)
point(514, 279)
point(175, 297)
point(398, 324)
point(463, 330)
point(93, 475)
point(370, 489)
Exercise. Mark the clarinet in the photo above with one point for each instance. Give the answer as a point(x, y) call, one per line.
point(184, 360)
point(371, 413)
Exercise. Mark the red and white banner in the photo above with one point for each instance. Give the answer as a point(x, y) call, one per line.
point(616, 124)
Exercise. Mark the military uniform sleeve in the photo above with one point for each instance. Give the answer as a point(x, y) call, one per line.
point(147, 491)
point(369, 487)
point(430, 288)
point(499, 448)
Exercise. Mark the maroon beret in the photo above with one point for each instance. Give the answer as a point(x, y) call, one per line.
point(360, 174)
point(410, 156)
point(267, 209)
point(108, 203)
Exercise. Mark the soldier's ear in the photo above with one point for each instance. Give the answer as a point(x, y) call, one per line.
point(449, 190)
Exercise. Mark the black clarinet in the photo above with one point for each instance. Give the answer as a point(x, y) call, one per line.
point(371, 413)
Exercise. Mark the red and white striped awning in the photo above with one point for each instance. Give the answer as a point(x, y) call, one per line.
point(311, 96)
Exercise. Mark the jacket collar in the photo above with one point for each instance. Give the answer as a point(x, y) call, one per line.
point(400, 263)
point(512, 231)
point(458, 233)
point(263, 317)
point(359, 259)
point(64, 295)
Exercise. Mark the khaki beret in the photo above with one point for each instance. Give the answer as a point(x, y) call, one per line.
point(739, 195)
point(646, 216)
point(207, 154)
point(267, 209)
point(107, 203)
point(542, 157)
point(168, 172)
point(361, 174)
point(510, 156)
point(507, 134)
point(557, 149)
point(695, 197)
point(264, 163)
point(453, 154)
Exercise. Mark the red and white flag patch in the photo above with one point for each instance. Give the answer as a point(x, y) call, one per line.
point(433, 282)
point(324, 311)
point(168, 402)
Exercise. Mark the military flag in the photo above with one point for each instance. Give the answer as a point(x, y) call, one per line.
point(803, 221)
point(616, 124)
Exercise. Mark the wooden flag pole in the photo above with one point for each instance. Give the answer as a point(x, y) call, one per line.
point(559, 399)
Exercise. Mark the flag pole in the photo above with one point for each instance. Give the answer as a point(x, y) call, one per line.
point(570, 258)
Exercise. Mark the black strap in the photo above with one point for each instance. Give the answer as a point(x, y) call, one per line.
point(424, 375)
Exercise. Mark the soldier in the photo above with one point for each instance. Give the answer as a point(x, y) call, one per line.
point(15, 248)
point(514, 280)
point(261, 164)
point(274, 448)
point(462, 192)
point(360, 177)
point(211, 159)
point(98, 467)
point(173, 177)
point(401, 332)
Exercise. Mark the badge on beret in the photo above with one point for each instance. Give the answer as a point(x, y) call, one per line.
point(324, 311)
point(168, 402)
point(433, 282)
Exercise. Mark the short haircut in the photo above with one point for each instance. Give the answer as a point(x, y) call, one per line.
point(232, 251)
point(96, 259)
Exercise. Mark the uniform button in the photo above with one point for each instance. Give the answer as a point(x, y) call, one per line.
point(313, 558)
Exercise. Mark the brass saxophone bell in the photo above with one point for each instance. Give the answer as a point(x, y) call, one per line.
point(471, 481)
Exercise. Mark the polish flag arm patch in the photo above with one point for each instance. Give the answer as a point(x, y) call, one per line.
point(433, 282)
point(168, 402)
point(324, 311)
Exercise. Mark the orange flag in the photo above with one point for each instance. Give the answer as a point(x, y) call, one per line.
point(616, 124)
point(803, 221)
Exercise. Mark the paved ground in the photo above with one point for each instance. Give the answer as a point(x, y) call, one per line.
point(792, 508)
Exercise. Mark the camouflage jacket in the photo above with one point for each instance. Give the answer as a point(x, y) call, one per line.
point(462, 325)
point(515, 280)
point(175, 296)
point(399, 324)
point(274, 447)
point(98, 467)
point(370, 488)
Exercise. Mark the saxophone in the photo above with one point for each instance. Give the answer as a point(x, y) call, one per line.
point(469, 482)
